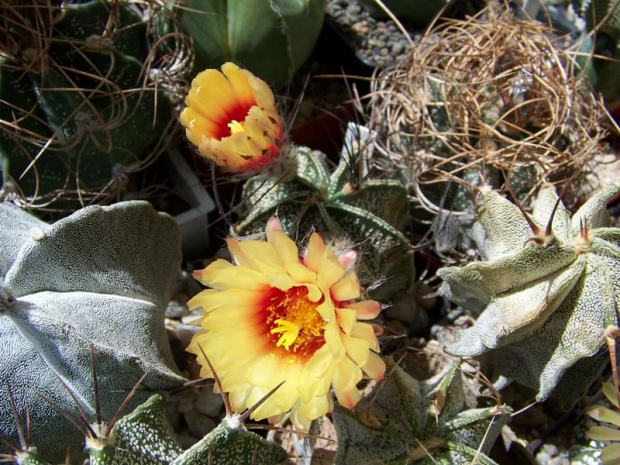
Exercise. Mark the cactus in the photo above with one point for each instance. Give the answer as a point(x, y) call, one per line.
point(80, 110)
point(406, 421)
point(370, 213)
point(97, 280)
point(270, 38)
point(145, 437)
point(458, 123)
point(603, 18)
point(546, 294)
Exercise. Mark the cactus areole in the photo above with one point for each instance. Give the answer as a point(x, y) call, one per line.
point(549, 290)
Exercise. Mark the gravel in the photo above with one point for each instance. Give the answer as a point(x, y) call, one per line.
point(376, 42)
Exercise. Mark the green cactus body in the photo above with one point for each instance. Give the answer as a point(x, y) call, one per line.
point(371, 215)
point(29, 457)
point(270, 38)
point(96, 281)
point(406, 421)
point(603, 18)
point(544, 304)
point(87, 116)
point(145, 437)
point(141, 437)
point(230, 443)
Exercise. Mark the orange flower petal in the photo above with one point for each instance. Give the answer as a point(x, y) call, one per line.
point(262, 92)
point(374, 367)
point(346, 319)
point(313, 254)
point(257, 255)
point(210, 95)
point(198, 127)
point(346, 377)
point(330, 270)
point(357, 350)
point(611, 455)
point(285, 248)
point(347, 288)
point(366, 332)
point(365, 309)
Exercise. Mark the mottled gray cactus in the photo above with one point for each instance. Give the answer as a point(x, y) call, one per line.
point(407, 421)
point(547, 293)
point(97, 281)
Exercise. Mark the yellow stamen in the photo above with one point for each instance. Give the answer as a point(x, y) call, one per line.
point(290, 332)
point(297, 320)
point(235, 127)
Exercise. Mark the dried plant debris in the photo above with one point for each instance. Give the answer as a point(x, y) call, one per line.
point(480, 101)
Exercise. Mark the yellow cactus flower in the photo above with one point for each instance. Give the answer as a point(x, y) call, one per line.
point(611, 452)
point(232, 118)
point(276, 316)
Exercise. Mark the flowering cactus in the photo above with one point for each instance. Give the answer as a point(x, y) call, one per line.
point(369, 213)
point(548, 292)
point(232, 118)
point(276, 316)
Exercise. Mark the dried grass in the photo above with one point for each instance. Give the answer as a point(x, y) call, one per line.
point(486, 94)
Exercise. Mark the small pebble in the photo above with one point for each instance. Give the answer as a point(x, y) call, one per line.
point(186, 441)
point(184, 333)
point(208, 403)
point(176, 310)
point(186, 405)
point(199, 425)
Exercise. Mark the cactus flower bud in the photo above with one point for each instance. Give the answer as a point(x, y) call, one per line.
point(232, 118)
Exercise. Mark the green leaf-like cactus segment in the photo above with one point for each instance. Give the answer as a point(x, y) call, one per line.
point(142, 437)
point(271, 38)
point(98, 279)
point(230, 443)
point(545, 305)
point(406, 421)
point(372, 216)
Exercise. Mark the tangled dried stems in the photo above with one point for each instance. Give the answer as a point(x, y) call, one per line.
point(27, 34)
point(488, 94)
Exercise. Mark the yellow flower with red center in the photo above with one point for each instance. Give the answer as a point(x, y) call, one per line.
point(276, 316)
point(232, 118)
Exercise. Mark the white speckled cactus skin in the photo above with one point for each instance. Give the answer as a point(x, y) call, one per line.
point(97, 280)
point(545, 304)
point(408, 421)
